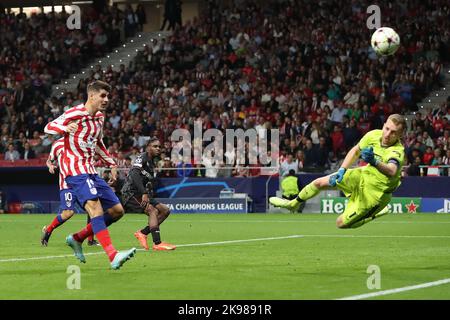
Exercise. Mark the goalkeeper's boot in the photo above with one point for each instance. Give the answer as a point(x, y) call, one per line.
point(122, 257)
point(383, 212)
point(164, 246)
point(291, 205)
point(45, 236)
point(76, 247)
point(142, 238)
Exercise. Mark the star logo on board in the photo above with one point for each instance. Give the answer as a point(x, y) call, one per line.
point(412, 207)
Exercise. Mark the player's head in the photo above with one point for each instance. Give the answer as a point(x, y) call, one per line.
point(98, 92)
point(393, 129)
point(154, 146)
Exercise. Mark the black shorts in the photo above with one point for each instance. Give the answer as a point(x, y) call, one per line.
point(134, 206)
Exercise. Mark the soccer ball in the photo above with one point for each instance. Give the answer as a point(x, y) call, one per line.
point(385, 41)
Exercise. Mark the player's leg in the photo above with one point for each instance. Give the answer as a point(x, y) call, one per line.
point(90, 189)
point(151, 227)
point(67, 203)
point(133, 204)
point(308, 192)
point(57, 221)
point(90, 238)
point(163, 212)
point(111, 216)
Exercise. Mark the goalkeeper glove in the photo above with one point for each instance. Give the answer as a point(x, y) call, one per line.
point(368, 156)
point(337, 177)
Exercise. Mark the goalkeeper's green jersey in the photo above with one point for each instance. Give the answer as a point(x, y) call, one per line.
point(395, 153)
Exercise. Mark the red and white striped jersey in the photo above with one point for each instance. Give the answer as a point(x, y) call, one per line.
point(56, 154)
point(81, 146)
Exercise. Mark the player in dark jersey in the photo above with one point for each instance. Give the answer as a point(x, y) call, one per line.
point(137, 196)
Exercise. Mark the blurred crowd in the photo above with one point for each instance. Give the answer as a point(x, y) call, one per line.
point(304, 68)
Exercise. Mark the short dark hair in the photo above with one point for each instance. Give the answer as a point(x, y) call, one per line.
point(98, 85)
point(151, 140)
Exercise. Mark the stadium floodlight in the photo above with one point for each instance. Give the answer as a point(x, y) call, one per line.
point(124, 45)
point(429, 100)
point(132, 41)
point(107, 56)
point(99, 61)
point(139, 35)
point(159, 35)
point(57, 88)
point(74, 77)
point(117, 51)
point(65, 82)
point(128, 55)
point(437, 94)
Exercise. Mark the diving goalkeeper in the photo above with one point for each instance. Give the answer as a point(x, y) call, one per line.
point(368, 188)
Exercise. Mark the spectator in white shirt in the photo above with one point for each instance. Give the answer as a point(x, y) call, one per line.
point(288, 164)
point(12, 154)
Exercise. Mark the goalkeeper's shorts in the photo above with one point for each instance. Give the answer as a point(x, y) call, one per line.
point(364, 201)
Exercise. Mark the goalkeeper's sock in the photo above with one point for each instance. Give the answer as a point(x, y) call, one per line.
point(59, 220)
point(155, 235)
point(102, 234)
point(146, 230)
point(308, 192)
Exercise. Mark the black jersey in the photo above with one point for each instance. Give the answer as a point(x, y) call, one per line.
point(140, 179)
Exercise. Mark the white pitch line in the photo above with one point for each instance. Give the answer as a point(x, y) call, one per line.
point(179, 245)
point(242, 241)
point(372, 236)
point(397, 290)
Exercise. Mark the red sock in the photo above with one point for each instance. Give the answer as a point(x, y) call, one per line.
point(105, 240)
point(55, 224)
point(84, 233)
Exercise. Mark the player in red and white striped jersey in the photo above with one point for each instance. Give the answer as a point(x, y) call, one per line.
point(67, 197)
point(82, 129)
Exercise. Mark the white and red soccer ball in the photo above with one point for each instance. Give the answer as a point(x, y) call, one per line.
point(385, 41)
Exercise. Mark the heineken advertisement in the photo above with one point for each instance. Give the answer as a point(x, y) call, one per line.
point(397, 205)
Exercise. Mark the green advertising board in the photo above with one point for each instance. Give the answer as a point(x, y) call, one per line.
point(397, 205)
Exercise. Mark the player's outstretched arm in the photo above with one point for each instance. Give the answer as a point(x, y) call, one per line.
point(351, 157)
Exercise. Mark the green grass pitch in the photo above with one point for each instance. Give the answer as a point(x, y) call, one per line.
point(252, 257)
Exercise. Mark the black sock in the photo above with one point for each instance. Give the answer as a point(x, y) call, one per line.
point(146, 230)
point(155, 235)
